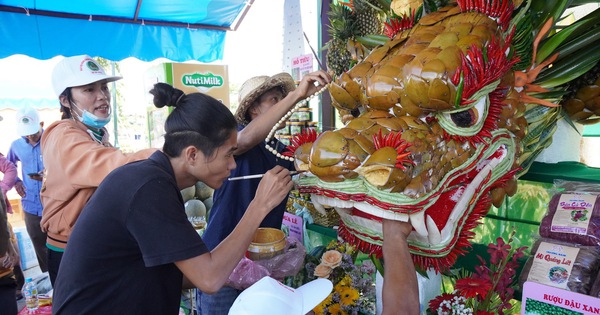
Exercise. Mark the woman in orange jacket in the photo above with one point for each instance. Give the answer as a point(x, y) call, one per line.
point(76, 150)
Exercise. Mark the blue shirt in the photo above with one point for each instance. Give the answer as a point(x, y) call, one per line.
point(231, 200)
point(31, 162)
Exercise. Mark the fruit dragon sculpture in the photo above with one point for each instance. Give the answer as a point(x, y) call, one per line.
point(439, 123)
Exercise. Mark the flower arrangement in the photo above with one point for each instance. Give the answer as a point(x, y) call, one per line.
point(353, 284)
point(489, 290)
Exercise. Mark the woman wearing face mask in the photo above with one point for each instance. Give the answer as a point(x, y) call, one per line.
point(76, 152)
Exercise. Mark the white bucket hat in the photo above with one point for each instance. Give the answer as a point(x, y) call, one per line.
point(78, 71)
point(28, 121)
point(269, 296)
point(254, 87)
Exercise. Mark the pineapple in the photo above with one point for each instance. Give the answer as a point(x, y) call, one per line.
point(368, 18)
point(342, 27)
point(582, 101)
point(338, 57)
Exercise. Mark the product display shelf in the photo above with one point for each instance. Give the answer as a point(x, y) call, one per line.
point(298, 122)
point(524, 211)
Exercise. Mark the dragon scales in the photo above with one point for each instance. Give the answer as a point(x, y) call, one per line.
point(436, 137)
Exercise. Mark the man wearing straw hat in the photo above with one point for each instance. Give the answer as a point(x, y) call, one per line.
point(264, 100)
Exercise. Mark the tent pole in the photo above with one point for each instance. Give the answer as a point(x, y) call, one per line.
point(115, 105)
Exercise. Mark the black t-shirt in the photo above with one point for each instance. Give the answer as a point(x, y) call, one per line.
point(120, 256)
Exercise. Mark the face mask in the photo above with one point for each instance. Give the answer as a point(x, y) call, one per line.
point(90, 119)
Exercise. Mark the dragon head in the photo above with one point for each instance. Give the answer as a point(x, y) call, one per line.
point(435, 139)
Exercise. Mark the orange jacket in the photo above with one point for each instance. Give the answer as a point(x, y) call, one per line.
point(75, 164)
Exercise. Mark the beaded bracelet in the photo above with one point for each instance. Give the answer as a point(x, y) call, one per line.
point(284, 119)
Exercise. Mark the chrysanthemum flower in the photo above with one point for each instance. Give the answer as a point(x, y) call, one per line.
point(348, 295)
point(335, 309)
point(470, 287)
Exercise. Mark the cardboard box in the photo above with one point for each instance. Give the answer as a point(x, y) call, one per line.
point(26, 249)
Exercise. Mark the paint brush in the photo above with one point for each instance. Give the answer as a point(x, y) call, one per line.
point(256, 176)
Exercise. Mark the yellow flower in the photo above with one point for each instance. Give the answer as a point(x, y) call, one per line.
point(331, 258)
point(348, 295)
point(323, 271)
point(346, 281)
point(336, 309)
point(320, 309)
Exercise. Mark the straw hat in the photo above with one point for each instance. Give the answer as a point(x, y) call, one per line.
point(254, 87)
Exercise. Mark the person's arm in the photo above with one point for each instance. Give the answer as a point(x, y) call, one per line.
point(400, 288)
point(210, 271)
point(258, 129)
point(10, 174)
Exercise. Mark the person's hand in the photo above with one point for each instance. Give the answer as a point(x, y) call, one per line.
point(5, 261)
point(11, 258)
point(20, 188)
point(397, 229)
point(312, 83)
point(274, 187)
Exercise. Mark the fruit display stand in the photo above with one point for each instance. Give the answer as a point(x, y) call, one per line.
point(298, 122)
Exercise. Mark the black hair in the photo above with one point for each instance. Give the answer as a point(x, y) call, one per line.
point(197, 119)
point(66, 111)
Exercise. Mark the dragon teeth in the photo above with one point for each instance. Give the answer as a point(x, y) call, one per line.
point(316, 201)
point(417, 220)
point(435, 237)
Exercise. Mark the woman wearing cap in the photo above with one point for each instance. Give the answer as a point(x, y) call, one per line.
point(76, 150)
point(133, 241)
point(263, 101)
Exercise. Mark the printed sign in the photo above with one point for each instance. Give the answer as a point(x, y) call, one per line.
point(301, 66)
point(540, 299)
point(552, 264)
point(294, 223)
point(208, 79)
point(573, 214)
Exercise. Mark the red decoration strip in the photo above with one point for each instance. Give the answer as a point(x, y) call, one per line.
point(480, 67)
point(424, 258)
point(365, 198)
point(394, 140)
point(397, 24)
point(308, 135)
point(500, 9)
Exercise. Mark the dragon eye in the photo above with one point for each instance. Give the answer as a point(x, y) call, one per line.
point(465, 118)
point(466, 121)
